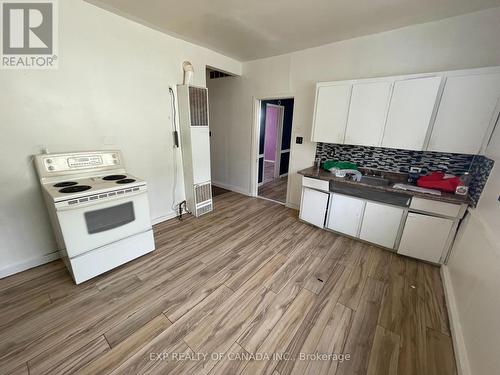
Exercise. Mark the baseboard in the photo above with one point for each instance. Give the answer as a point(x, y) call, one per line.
point(163, 218)
point(292, 205)
point(27, 264)
point(38, 261)
point(460, 349)
point(236, 189)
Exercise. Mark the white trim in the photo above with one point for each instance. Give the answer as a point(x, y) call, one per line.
point(254, 149)
point(236, 189)
point(27, 264)
point(271, 200)
point(293, 206)
point(40, 260)
point(163, 218)
point(459, 347)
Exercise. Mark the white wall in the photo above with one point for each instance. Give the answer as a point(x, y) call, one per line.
point(460, 42)
point(110, 91)
point(473, 276)
point(229, 129)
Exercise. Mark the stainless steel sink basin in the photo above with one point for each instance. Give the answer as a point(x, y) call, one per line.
point(374, 180)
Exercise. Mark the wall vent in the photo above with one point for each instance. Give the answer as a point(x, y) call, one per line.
point(203, 193)
point(198, 106)
point(204, 209)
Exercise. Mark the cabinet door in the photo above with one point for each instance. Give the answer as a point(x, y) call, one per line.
point(313, 206)
point(465, 113)
point(330, 116)
point(345, 214)
point(425, 237)
point(381, 224)
point(410, 112)
point(367, 113)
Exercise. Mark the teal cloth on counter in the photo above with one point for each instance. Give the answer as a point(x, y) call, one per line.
point(327, 165)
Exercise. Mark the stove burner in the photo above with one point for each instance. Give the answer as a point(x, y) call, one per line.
point(114, 177)
point(65, 183)
point(125, 181)
point(74, 189)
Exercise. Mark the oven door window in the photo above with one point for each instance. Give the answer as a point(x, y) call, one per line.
point(109, 218)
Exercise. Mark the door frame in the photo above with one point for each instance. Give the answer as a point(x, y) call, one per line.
point(254, 149)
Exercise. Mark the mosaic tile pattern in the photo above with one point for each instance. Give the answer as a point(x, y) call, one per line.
point(398, 160)
point(479, 171)
point(395, 160)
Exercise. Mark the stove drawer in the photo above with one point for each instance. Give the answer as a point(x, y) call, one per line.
point(90, 227)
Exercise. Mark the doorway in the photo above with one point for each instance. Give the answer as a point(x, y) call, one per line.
point(275, 130)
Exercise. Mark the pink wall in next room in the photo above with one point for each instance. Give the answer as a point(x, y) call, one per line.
point(271, 133)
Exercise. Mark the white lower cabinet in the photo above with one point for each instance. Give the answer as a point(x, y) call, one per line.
point(313, 206)
point(381, 224)
point(425, 237)
point(345, 214)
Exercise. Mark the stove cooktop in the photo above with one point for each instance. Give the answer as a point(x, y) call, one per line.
point(65, 183)
point(74, 189)
point(114, 177)
point(80, 187)
point(125, 181)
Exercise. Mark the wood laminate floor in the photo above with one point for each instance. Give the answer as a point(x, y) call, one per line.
point(246, 279)
point(275, 189)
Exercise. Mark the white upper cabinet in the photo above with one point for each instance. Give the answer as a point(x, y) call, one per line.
point(465, 113)
point(367, 113)
point(445, 111)
point(410, 112)
point(330, 115)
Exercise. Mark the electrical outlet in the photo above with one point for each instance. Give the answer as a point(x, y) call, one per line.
point(299, 140)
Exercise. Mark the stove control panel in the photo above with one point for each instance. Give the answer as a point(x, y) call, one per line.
point(85, 161)
point(54, 163)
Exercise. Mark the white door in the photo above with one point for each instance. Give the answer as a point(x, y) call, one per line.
point(313, 207)
point(465, 113)
point(425, 237)
point(330, 114)
point(367, 113)
point(410, 112)
point(344, 214)
point(381, 224)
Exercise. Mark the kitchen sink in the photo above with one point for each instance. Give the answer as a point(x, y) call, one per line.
point(365, 192)
point(374, 180)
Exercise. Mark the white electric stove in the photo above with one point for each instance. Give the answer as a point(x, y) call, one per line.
point(99, 212)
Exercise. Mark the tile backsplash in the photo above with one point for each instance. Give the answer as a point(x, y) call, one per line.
point(398, 160)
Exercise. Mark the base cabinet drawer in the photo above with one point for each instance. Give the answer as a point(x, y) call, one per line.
point(425, 237)
point(381, 224)
point(344, 214)
point(439, 208)
point(313, 206)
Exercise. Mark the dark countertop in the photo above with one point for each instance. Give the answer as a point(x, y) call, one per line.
point(321, 174)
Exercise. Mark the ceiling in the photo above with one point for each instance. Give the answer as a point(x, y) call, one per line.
point(252, 29)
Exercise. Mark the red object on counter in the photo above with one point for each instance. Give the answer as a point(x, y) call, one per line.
point(436, 180)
